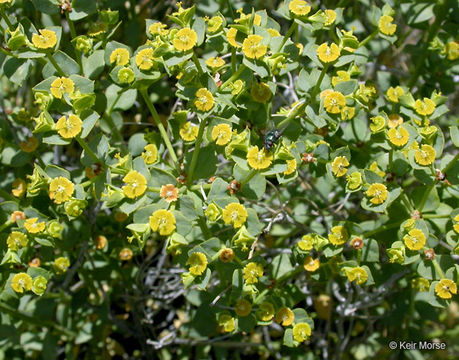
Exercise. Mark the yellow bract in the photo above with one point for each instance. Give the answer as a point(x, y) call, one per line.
point(215, 62)
point(60, 190)
point(385, 25)
point(259, 158)
point(354, 180)
point(426, 107)
point(226, 323)
point(338, 235)
point(162, 221)
point(339, 166)
point(158, 28)
point(19, 187)
point(204, 100)
point(144, 59)
point(33, 226)
point(265, 311)
point(285, 316)
point(331, 17)
point(222, 134)
point(398, 136)
point(334, 102)
point(119, 56)
point(234, 214)
point(16, 240)
point(169, 192)
point(188, 131)
point(243, 308)
point(311, 264)
point(328, 54)
point(198, 263)
point(47, 39)
point(377, 193)
point(185, 39)
point(357, 274)
point(306, 243)
point(150, 155)
point(393, 94)
point(291, 167)
point(252, 271)
point(214, 24)
point(125, 254)
point(231, 37)
point(425, 155)
point(260, 92)
point(61, 265)
point(21, 282)
point(136, 184)
point(69, 127)
point(415, 239)
point(299, 7)
point(445, 288)
point(62, 86)
point(253, 48)
point(301, 332)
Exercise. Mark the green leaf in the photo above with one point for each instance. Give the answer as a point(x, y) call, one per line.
point(370, 251)
point(200, 27)
point(257, 66)
point(81, 9)
point(46, 6)
point(55, 139)
point(346, 87)
point(118, 98)
point(54, 171)
point(17, 70)
point(206, 166)
point(89, 119)
point(280, 265)
point(94, 64)
point(454, 131)
point(65, 62)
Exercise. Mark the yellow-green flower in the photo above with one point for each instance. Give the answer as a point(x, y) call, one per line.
point(252, 271)
point(331, 16)
point(253, 48)
point(306, 243)
point(375, 168)
point(273, 32)
point(215, 62)
point(385, 25)
point(299, 7)
point(291, 167)
point(126, 75)
point(185, 39)
point(16, 240)
point(377, 124)
point(328, 54)
point(136, 184)
point(301, 332)
point(60, 190)
point(214, 24)
point(163, 221)
point(204, 100)
point(259, 159)
point(265, 311)
point(445, 288)
point(338, 235)
point(311, 264)
point(150, 155)
point(222, 134)
point(243, 308)
point(339, 166)
point(158, 28)
point(61, 265)
point(285, 316)
point(425, 155)
point(119, 56)
point(357, 274)
point(398, 136)
point(226, 323)
point(426, 107)
point(69, 127)
point(415, 239)
point(144, 59)
point(33, 226)
point(342, 76)
point(39, 285)
point(198, 263)
point(231, 37)
point(234, 214)
point(377, 193)
point(46, 40)
point(420, 284)
point(354, 180)
point(393, 94)
point(452, 49)
point(18, 187)
point(334, 102)
point(260, 92)
point(456, 223)
point(188, 131)
point(21, 282)
point(61, 86)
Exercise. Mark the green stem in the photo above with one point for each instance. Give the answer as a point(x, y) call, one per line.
point(159, 124)
point(233, 60)
point(7, 20)
point(369, 38)
point(451, 164)
point(249, 177)
point(391, 159)
point(292, 115)
point(319, 82)
point(74, 35)
point(34, 320)
point(407, 202)
point(55, 64)
point(153, 189)
point(289, 33)
point(198, 187)
point(432, 216)
point(198, 64)
point(197, 148)
point(233, 77)
point(5, 225)
point(425, 197)
point(7, 196)
point(438, 268)
point(382, 228)
point(88, 150)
